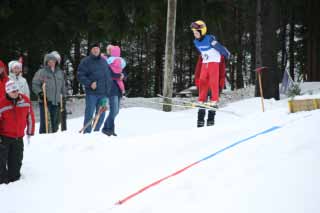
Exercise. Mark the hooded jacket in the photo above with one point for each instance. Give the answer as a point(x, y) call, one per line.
point(18, 115)
point(19, 80)
point(54, 80)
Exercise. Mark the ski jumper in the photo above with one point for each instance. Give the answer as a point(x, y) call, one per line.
point(209, 72)
point(210, 68)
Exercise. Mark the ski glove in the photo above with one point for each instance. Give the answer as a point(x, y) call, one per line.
point(40, 95)
point(28, 138)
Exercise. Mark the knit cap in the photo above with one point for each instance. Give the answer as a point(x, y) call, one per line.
point(11, 86)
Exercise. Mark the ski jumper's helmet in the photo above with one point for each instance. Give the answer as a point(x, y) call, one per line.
point(199, 26)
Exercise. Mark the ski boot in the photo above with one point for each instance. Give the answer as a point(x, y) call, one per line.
point(211, 117)
point(201, 115)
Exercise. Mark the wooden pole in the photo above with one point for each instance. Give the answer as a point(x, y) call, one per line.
point(97, 118)
point(87, 124)
point(261, 91)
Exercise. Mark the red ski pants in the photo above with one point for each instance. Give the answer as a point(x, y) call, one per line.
point(209, 79)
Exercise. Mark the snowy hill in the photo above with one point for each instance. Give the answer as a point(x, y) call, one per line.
point(258, 162)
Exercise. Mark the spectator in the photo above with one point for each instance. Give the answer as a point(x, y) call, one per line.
point(116, 64)
point(15, 74)
point(94, 74)
point(53, 78)
point(15, 111)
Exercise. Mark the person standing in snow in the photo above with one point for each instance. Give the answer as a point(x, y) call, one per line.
point(94, 74)
point(15, 74)
point(53, 78)
point(62, 119)
point(116, 64)
point(208, 70)
point(3, 79)
point(15, 111)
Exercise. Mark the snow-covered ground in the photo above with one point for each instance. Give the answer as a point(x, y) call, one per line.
point(234, 167)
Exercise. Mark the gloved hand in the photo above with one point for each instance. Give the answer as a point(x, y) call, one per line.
point(103, 102)
point(28, 138)
point(40, 95)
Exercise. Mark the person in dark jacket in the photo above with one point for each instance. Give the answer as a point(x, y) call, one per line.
point(53, 78)
point(94, 74)
point(116, 64)
point(15, 115)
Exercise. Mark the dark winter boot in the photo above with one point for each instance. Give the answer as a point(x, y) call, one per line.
point(211, 116)
point(201, 115)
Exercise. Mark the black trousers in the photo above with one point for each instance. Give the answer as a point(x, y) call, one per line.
point(53, 113)
point(11, 156)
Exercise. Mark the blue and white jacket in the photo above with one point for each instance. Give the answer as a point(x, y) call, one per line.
point(211, 49)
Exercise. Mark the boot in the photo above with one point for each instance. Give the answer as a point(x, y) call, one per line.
point(211, 116)
point(201, 115)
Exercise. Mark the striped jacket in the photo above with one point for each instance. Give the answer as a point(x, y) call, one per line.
point(15, 117)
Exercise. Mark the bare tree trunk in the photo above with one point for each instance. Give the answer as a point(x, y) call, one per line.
point(169, 55)
point(239, 74)
point(158, 62)
point(313, 44)
point(258, 42)
point(259, 35)
point(76, 62)
point(283, 36)
point(291, 45)
point(266, 54)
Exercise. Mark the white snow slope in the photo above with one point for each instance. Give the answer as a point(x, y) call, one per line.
point(276, 172)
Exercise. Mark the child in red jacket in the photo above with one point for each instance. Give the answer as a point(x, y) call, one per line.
point(15, 115)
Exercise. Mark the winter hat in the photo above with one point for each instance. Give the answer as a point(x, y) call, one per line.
point(11, 86)
point(49, 57)
point(13, 64)
point(57, 55)
point(94, 44)
point(115, 51)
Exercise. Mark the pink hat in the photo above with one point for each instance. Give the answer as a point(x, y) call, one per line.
point(11, 86)
point(115, 51)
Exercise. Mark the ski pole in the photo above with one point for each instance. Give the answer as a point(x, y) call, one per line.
point(61, 110)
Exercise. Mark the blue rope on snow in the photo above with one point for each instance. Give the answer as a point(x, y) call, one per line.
point(239, 142)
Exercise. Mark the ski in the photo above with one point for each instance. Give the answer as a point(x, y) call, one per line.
point(194, 107)
point(198, 105)
point(190, 103)
point(175, 105)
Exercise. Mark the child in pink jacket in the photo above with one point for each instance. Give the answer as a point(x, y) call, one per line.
point(117, 64)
